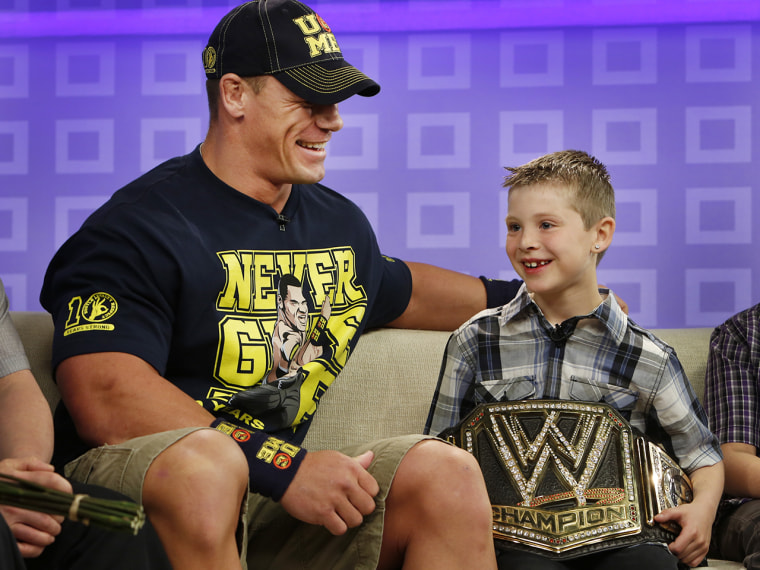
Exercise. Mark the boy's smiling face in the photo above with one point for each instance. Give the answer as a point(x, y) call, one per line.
point(550, 249)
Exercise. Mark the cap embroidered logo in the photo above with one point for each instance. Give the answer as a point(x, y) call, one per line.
point(209, 59)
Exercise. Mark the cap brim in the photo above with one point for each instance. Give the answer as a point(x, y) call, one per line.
point(327, 82)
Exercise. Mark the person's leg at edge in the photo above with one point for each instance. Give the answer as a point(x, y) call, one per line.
point(10, 557)
point(192, 493)
point(737, 535)
point(437, 513)
point(86, 547)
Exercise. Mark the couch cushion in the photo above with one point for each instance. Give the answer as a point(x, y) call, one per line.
point(363, 404)
point(691, 346)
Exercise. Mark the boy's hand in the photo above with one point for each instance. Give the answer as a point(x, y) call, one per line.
point(693, 541)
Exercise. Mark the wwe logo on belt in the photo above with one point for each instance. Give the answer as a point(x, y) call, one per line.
point(549, 448)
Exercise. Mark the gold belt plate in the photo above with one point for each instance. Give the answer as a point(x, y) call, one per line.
point(563, 475)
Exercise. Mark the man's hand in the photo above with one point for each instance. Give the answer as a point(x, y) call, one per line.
point(332, 490)
point(694, 539)
point(623, 305)
point(33, 530)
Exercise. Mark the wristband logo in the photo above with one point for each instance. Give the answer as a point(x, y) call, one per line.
point(240, 435)
point(282, 461)
point(277, 452)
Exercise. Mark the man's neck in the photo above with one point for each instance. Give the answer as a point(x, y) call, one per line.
point(234, 171)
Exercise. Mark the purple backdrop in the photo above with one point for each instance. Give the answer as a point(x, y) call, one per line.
point(95, 92)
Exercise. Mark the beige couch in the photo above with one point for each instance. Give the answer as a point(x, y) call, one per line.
point(385, 388)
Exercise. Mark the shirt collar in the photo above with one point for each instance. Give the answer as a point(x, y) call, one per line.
point(608, 312)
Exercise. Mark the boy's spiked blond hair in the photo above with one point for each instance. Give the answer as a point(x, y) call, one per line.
point(592, 195)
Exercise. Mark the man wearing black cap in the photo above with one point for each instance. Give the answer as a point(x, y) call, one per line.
point(165, 303)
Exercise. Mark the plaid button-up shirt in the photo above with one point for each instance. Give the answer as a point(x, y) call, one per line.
point(507, 354)
point(732, 381)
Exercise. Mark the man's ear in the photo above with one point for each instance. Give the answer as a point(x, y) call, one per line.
point(605, 229)
point(232, 93)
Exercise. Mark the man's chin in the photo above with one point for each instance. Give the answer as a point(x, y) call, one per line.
point(311, 176)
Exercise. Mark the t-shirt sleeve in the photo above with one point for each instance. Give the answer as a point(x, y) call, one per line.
point(394, 292)
point(109, 290)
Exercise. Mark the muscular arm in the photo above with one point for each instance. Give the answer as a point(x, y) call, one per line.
point(742, 469)
point(441, 299)
point(114, 396)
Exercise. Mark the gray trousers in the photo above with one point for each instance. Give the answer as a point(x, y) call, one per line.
point(736, 535)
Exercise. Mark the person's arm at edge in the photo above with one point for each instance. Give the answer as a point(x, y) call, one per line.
point(26, 431)
point(26, 445)
point(742, 469)
point(730, 389)
point(20, 400)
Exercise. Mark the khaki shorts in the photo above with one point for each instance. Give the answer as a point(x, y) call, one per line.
point(275, 539)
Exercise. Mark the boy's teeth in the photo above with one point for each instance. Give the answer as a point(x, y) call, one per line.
point(534, 264)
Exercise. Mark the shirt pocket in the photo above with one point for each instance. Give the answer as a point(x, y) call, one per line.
point(585, 390)
point(505, 390)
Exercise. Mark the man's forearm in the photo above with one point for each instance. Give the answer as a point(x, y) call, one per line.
point(441, 299)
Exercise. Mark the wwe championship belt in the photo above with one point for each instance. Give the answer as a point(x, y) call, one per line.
point(567, 479)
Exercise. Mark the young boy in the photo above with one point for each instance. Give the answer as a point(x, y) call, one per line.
point(562, 338)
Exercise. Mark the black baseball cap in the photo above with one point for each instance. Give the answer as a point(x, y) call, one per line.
point(289, 41)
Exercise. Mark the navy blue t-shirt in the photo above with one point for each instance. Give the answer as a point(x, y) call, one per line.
point(221, 294)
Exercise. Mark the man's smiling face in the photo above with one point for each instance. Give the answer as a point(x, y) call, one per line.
point(288, 136)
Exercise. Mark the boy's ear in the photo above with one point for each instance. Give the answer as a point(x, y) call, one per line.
point(605, 229)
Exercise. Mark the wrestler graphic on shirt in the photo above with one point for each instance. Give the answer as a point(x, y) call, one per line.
point(276, 402)
point(291, 347)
